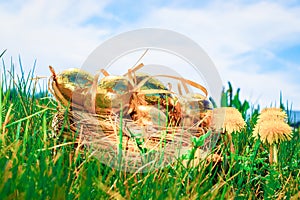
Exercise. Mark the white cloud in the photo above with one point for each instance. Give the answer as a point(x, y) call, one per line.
point(51, 32)
point(230, 32)
point(57, 33)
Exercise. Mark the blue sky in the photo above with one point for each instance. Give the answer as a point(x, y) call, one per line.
point(254, 44)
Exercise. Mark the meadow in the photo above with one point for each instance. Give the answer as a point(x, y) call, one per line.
point(34, 165)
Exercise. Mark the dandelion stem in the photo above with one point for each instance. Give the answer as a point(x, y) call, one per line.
point(275, 153)
point(271, 155)
point(232, 150)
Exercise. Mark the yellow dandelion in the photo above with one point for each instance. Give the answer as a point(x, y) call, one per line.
point(272, 128)
point(273, 131)
point(272, 114)
point(228, 119)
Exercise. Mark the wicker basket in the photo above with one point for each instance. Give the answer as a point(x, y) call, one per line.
point(123, 142)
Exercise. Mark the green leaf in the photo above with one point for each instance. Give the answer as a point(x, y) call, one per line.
point(3, 53)
point(224, 102)
point(236, 100)
point(229, 93)
point(213, 102)
point(199, 142)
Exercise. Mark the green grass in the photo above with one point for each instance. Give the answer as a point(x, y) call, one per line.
point(31, 169)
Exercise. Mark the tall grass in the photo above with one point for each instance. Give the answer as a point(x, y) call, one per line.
point(33, 165)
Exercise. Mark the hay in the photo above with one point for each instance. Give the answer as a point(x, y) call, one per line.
point(152, 145)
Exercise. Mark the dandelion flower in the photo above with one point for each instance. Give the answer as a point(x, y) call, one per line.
point(228, 119)
point(272, 114)
point(272, 131)
point(272, 128)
